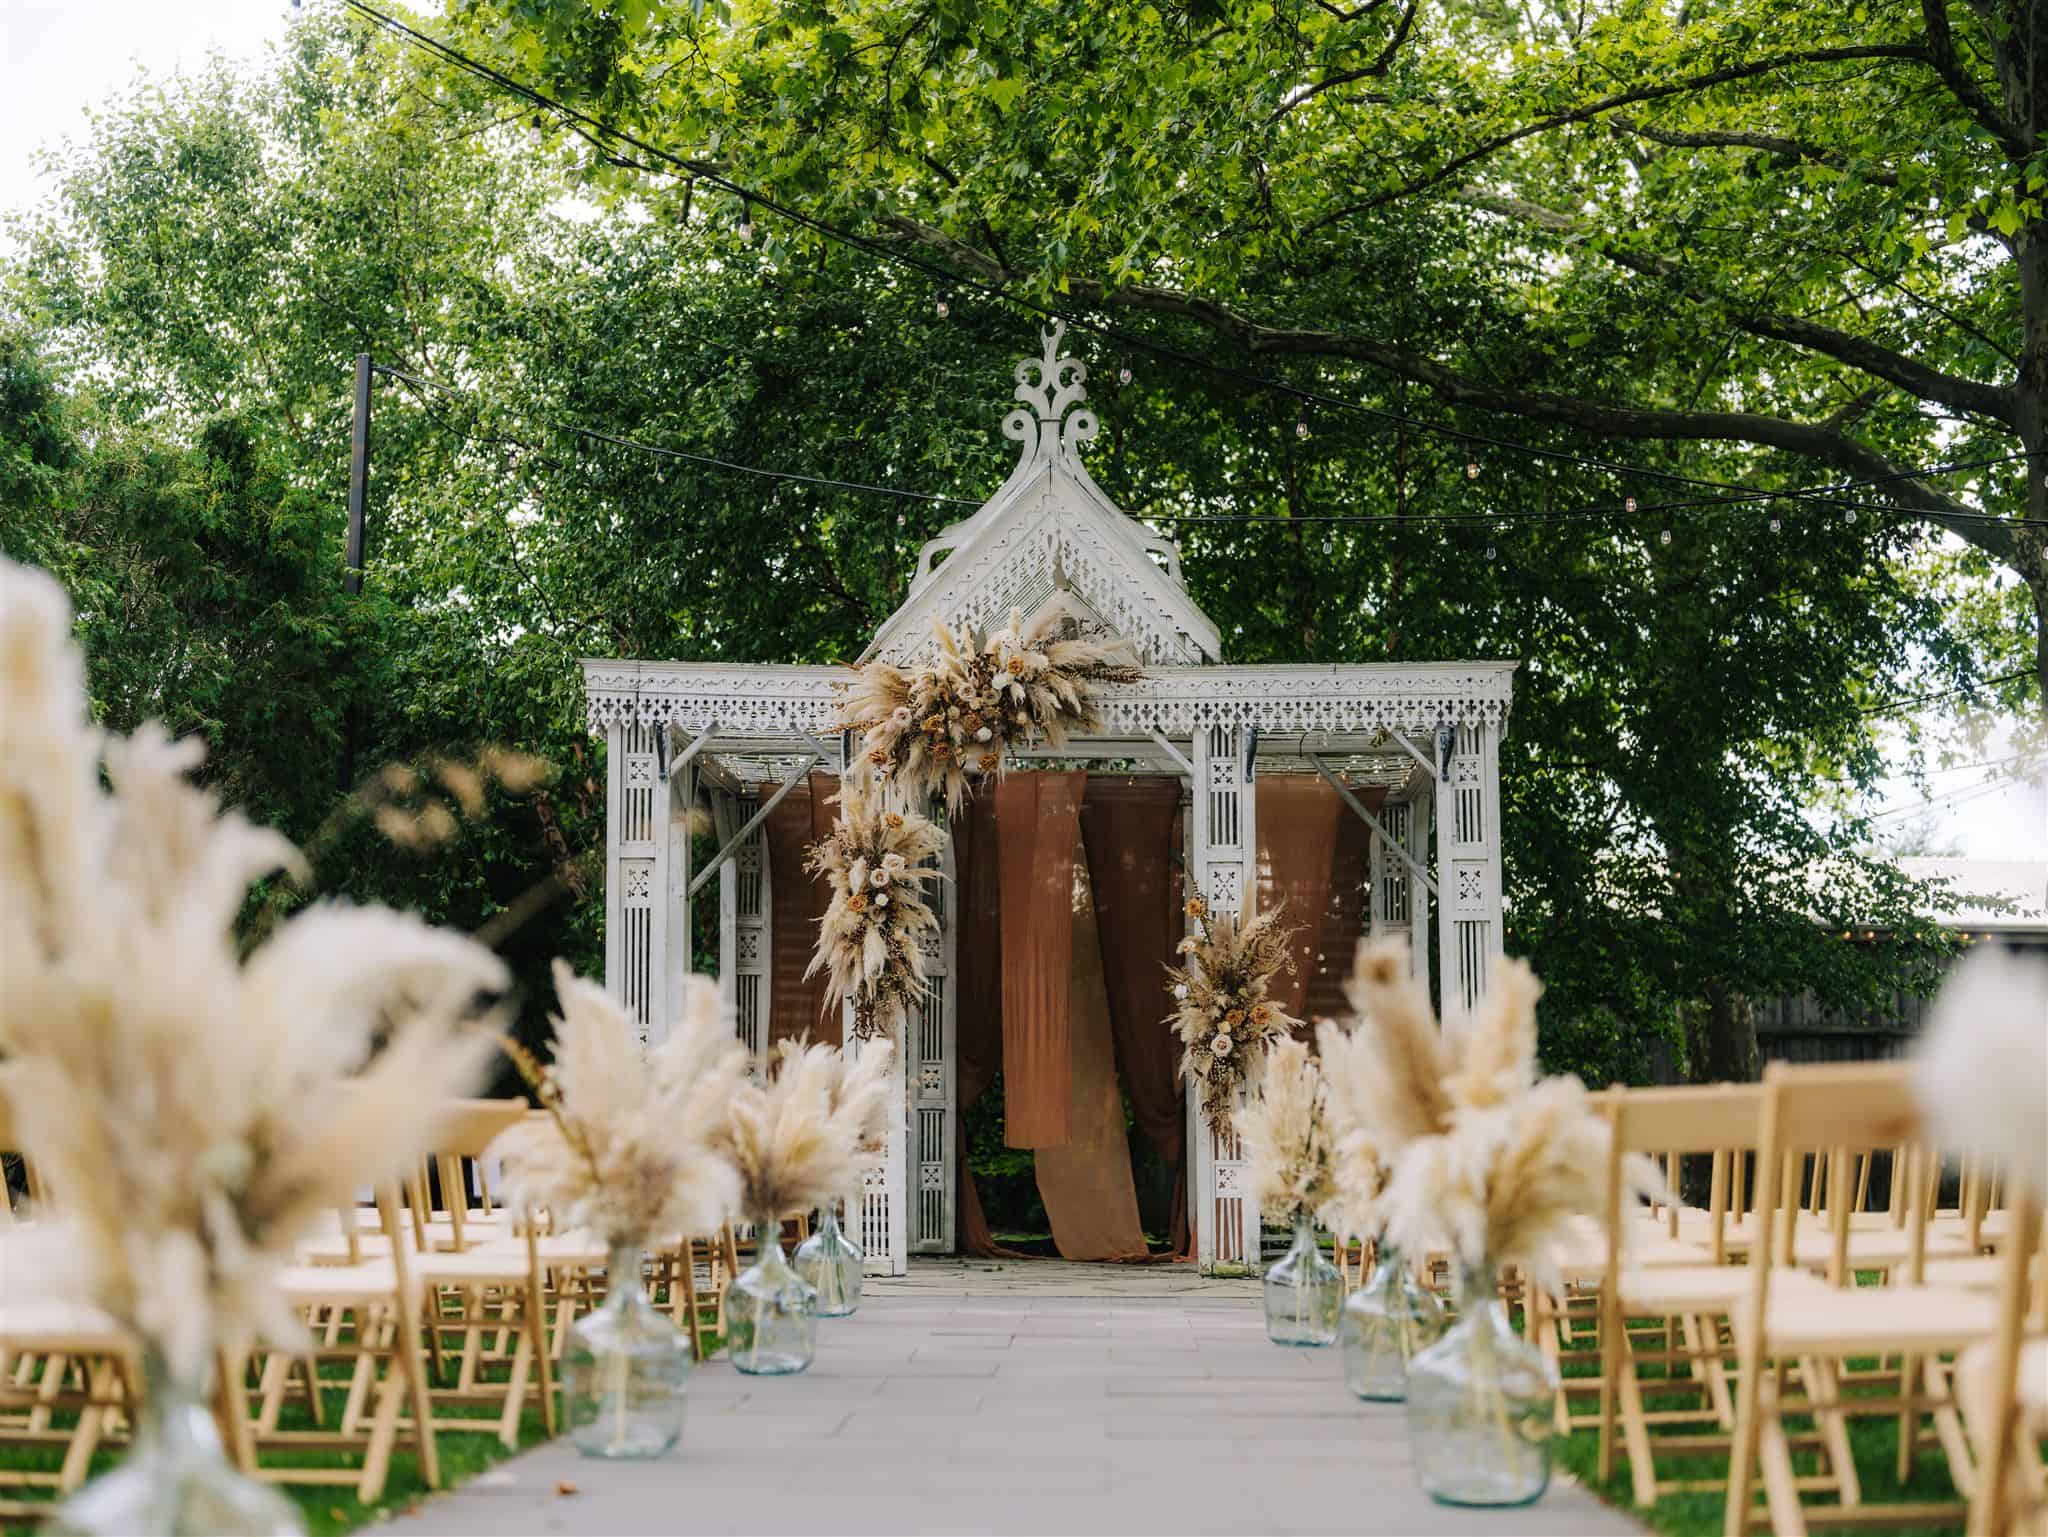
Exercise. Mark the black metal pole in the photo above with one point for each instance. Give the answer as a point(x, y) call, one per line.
point(352, 554)
point(358, 477)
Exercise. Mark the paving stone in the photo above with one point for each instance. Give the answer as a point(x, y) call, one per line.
point(1077, 1399)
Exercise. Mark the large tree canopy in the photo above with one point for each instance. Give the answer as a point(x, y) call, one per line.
point(1811, 233)
point(1690, 718)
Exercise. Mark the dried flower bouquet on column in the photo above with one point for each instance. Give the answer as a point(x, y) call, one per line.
point(877, 861)
point(1225, 1020)
point(928, 730)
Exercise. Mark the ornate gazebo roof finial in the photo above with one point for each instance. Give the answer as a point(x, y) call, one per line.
point(1051, 385)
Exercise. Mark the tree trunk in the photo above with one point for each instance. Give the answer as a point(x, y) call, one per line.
point(1722, 1031)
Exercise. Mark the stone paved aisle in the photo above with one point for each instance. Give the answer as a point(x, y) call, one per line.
point(935, 1412)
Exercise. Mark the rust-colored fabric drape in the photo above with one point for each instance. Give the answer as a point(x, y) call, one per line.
point(796, 903)
point(1314, 854)
point(1037, 822)
point(978, 1000)
point(1085, 1181)
point(1129, 828)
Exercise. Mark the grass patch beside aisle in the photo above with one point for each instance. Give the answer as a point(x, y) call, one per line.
point(328, 1511)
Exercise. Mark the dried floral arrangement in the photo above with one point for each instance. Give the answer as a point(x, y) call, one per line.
point(876, 859)
point(1484, 1156)
point(1286, 1136)
point(931, 730)
point(194, 1110)
point(1225, 1021)
point(1981, 1069)
point(795, 1141)
point(626, 1152)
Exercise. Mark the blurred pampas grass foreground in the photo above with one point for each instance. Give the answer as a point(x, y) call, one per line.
point(1981, 1069)
point(626, 1151)
point(193, 1111)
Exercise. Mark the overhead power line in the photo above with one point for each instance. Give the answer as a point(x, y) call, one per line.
point(1648, 510)
point(603, 134)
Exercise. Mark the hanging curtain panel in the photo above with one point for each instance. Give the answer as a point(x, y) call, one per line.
point(796, 1007)
point(1315, 853)
point(1037, 821)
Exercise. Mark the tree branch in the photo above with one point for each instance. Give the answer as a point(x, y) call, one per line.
point(1769, 143)
point(1599, 108)
point(1378, 67)
point(1941, 54)
point(1909, 374)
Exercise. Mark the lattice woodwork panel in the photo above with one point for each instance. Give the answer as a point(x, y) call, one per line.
point(1391, 908)
point(748, 862)
point(636, 947)
point(1474, 954)
point(747, 1011)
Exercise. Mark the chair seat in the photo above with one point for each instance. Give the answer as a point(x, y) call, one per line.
point(1685, 1289)
point(1814, 1250)
point(580, 1250)
point(499, 1263)
point(75, 1328)
point(372, 1281)
point(1861, 1320)
point(1582, 1259)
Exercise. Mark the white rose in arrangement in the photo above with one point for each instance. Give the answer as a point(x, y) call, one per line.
point(881, 901)
point(1180, 989)
point(983, 735)
point(1002, 680)
point(900, 716)
point(1186, 946)
point(1220, 1047)
point(895, 864)
point(880, 878)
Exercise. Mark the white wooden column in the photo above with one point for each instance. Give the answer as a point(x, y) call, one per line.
point(930, 1066)
point(636, 868)
point(670, 944)
point(1469, 934)
point(744, 929)
point(883, 1230)
point(1224, 861)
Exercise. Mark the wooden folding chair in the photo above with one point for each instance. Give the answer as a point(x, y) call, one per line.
point(2003, 1386)
point(372, 1313)
point(484, 1292)
point(1686, 1302)
point(1822, 1110)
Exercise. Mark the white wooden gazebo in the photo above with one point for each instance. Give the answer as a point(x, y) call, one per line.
point(678, 733)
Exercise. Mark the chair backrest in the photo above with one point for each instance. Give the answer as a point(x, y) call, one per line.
point(463, 1129)
point(1721, 1120)
point(1831, 1111)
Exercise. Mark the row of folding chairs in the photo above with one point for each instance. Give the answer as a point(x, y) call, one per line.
point(430, 1309)
point(1752, 1331)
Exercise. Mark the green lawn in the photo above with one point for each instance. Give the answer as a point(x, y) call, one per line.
point(1874, 1441)
point(328, 1510)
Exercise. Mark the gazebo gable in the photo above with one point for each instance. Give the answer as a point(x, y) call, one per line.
point(1048, 529)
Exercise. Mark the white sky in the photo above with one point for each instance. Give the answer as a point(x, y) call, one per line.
point(65, 55)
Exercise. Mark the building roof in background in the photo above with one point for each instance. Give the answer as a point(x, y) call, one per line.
point(2023, 882)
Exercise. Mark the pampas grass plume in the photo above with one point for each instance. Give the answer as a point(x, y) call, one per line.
point(1981, 1069)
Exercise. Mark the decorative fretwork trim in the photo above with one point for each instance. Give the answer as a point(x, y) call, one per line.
point(745, 701)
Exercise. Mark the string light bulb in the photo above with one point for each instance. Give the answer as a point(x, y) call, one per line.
point(1490, 552)
point(943, 307)
point(1849, 517)
point(1471, 469)
point(1628, 504)
point(746, 229)
point(536, 133)
point(1664, 536)
point(1329, 545)
point(1776, 524)
point(1123, 375)
point(1301, 426)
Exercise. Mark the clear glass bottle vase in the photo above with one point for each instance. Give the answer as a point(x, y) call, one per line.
point(1387, 1323)
point(625, 1370)
point(1304, 1292)
point(1481, 1406)
point(771, 1312)
point(176, 1479)
point(831, 1263)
